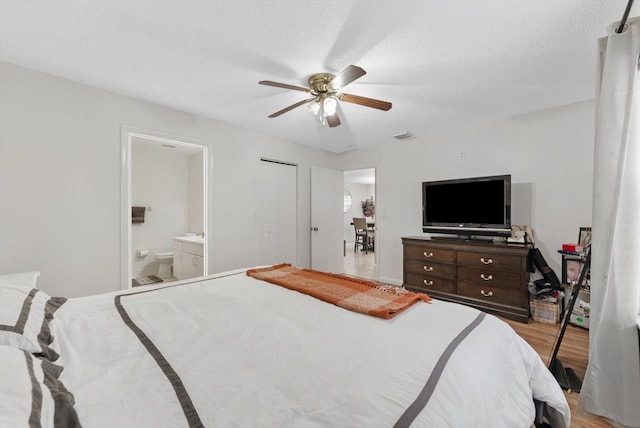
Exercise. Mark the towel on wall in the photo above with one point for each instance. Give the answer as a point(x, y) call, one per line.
point(137, 214)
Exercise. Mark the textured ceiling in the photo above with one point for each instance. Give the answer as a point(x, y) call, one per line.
point(442, 63)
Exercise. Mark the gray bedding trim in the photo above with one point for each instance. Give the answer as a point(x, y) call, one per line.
point(64, 415)
point(24, 314)
point(45, 338)
point(188, 408)
point(36, 395)
point(421, 401)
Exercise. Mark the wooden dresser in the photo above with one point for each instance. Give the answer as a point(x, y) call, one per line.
point(490, 276)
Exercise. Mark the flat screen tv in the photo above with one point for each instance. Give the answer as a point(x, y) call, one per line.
point(467, 206)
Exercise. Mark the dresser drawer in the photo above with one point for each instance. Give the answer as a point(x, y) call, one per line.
point(426, 283)
point(491, 277)
point(490, 294)
point(493, 261)
point(429, 268)
point(433, 254)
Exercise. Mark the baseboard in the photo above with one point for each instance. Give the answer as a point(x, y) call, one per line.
point(390, 281)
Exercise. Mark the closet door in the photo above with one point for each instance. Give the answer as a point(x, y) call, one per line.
point(278, 218)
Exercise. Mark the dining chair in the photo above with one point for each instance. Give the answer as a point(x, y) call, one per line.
point(364, 236)
point(371, 231)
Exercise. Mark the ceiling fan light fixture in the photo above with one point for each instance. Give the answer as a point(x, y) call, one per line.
point(330, 104)
point(314, 107)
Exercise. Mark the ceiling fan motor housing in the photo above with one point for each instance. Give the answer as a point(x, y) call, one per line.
point(320, 83)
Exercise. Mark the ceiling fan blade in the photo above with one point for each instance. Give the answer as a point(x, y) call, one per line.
point(283, 85)
point(291, 107)
point(347, 76)
point(333, 120)
point(364, 101)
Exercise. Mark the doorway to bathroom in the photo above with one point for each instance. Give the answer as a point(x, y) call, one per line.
point(359, 202)
point(164, 210)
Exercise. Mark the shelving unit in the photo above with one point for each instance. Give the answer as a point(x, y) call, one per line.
point(566, 377)
point(580, 314)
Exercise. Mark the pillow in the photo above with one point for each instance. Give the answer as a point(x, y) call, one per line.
point(25, 279)
point(31, 393)
point(25, 314)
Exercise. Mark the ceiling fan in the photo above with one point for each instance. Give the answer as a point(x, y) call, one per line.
point(324, 87)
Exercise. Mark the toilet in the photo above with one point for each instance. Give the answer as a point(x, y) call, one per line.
point(166, 262)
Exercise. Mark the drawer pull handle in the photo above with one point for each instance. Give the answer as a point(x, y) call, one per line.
point(486, 278)
point(489, 294)
point(485, 262)
point(427, 282)
point(428, 268)
point(427, 255)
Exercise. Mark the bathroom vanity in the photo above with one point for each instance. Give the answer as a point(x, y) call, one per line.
point(188, 257)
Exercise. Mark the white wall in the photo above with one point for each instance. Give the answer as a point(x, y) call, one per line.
point(60, 170)
point(552, 149)
point(60, 178)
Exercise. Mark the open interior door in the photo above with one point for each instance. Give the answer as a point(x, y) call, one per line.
point(327, 246)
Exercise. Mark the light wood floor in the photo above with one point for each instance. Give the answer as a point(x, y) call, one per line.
point(360, 264)
point(573, 352)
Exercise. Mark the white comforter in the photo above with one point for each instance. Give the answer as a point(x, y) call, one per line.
point(240, 352)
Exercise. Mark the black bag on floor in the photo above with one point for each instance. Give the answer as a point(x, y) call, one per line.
point(541, 264)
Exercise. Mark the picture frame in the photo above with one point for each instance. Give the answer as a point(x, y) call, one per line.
point(571, 269)
point(584, 237)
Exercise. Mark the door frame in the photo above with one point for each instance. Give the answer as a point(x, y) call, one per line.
point(126, 135)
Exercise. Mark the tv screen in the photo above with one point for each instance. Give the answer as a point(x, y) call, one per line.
point(467, 206)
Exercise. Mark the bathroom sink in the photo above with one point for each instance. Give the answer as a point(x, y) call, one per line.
point(195, 239)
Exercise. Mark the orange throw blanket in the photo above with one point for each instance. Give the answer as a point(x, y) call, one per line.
point(348, 293)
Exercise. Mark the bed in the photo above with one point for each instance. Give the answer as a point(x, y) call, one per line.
point(233, 350)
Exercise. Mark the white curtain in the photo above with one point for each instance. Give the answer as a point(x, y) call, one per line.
point(612, 382)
